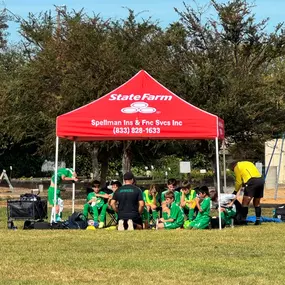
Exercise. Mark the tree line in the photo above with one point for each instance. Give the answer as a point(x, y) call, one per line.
point(226, 64)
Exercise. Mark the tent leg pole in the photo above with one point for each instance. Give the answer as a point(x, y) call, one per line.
point(272, 154)
point(225, 170)
point(279, 167)
point(73, 184)
point(218, 181)
point(53, 212)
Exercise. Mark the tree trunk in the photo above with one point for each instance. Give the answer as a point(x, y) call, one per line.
point(214, 166)
point(95, 162)
point(104, 167)
point(126, 159)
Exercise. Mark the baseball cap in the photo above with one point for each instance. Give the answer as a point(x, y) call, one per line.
point(128, 176)
point(117, 182)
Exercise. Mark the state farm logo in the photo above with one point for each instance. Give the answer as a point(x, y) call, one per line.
point(138, 107)
point(138, 97)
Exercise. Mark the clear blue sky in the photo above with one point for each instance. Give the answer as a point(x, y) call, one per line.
point(162, 10)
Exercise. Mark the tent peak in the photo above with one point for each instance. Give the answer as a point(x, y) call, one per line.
point(141, 108)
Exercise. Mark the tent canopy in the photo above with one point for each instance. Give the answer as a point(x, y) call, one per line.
point(139, 109)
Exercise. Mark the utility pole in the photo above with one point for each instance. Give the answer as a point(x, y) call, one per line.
point(59, 9)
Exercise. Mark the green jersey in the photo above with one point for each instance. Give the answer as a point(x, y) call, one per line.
point(67, 172)
point(176, 196)
point(149, 198)
point(203, 218)
point(99, 202)
point(206, 207)
point(176, 214)
point(188, 197)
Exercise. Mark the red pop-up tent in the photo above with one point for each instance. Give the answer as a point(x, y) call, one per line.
point(140, 109)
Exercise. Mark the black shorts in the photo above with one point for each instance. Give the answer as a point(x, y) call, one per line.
point(136, 221)
point(254, 187)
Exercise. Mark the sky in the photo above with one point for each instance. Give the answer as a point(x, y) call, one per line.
point(161, 10)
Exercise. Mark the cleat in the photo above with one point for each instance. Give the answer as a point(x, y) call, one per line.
point(130, 225)
point(121, 225)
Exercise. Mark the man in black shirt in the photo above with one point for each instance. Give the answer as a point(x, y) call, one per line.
point(130, 204)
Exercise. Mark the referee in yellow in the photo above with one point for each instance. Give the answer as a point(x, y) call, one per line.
point(248, 176)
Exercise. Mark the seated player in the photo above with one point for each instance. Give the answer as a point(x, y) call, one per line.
point(150, 198)
point(95, 203)
point(187, 200)
point(172, 214)
point(203, 202)
point(115, 184)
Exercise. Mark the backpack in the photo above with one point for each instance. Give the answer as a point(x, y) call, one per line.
point(215, 223)
point(29, 197)
point(280, 212)
point(77, 221)
point(238, 219)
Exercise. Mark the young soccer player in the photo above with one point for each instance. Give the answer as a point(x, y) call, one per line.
point(187, 199)
point(172, 215)
point(115, 186)
point(228, 208)
point(95, 202)
point(204, 206)
point(150, 198)
point(171, 185)
point(63, 174)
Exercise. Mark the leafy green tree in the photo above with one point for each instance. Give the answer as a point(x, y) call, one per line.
point(227, 59)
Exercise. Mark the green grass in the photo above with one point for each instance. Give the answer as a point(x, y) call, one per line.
point(240, 255)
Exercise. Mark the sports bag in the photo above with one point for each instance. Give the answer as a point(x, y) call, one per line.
point(280, 212)
point(214, 222)
point(29, 197)
point(77, 221)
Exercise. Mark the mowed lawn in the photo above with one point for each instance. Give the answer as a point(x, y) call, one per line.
point(240, 255)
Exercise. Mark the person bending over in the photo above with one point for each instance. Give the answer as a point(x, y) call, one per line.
point(63, 174)
point(248, 176)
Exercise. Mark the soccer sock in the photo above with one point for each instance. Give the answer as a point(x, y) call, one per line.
point(244, 211)
point(258, 212)
point(191, 215)
point(155, 214)
point(147, 217)
point(52, 215)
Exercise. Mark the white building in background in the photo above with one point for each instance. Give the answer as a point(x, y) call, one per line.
point(272, 174)
point(50, 165)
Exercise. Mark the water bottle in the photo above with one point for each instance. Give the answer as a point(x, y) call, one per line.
point(274, 213)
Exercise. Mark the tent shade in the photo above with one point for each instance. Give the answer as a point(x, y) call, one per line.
point(139, 109)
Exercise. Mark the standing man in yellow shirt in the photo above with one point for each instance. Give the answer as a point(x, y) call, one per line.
point(248, 176)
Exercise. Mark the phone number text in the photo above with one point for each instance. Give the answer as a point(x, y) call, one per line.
point(135, 130)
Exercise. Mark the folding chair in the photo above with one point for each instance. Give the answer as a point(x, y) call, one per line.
point(111, 219)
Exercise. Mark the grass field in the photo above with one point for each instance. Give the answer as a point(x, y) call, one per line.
point(240, 255)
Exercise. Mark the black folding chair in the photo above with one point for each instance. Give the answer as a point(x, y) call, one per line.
point(111, 219)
